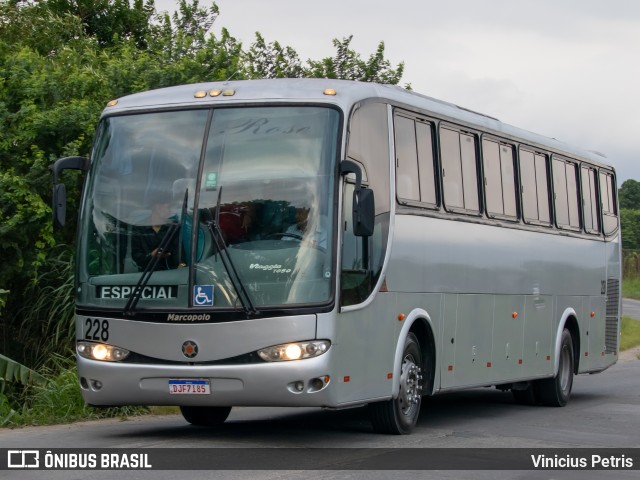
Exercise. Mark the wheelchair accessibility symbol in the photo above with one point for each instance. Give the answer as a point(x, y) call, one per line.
point(203, 295)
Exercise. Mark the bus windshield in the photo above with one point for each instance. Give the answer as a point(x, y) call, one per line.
point(202, 202)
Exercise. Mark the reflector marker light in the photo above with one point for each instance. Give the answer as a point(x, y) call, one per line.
point(330, 91)
point(401, 317)
point(112, 103)
point(200, 94)
point(514, 315)
point(215, 93)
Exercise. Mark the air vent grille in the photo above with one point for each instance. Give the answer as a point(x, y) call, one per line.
point(613, 313)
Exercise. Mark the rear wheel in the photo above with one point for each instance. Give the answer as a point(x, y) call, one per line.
point(555, 391)
point(399, 415)
point(205, 416)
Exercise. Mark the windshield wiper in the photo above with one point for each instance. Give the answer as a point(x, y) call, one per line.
point(221, 247)
point(151, 266)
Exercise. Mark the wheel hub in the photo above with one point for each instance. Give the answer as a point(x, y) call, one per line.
point(410, 385)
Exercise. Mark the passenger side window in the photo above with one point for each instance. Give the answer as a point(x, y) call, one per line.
point(459, 170)
point(535, 187)
point(590, 201)
point(608, 201)
point(415, 172)
point(407, 181)
point(499, 179)
point(565, 189)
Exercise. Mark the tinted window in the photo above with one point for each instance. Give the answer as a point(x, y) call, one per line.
point(499, 178)
point(565, 189)
point(560, 193)
point(368, 145)
point(451, 168)
point(589, 200)
point(607, 198)
point(426, 162)
point(459, 170)
point(406, 159)
point(572, 195)
point(535, 196)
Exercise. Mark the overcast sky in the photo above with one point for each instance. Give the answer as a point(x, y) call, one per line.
point(567, 69)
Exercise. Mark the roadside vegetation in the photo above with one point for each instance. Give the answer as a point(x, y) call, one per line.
point(631, 288)
point(630, 333)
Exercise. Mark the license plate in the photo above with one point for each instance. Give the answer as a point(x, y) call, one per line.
point(189, 387)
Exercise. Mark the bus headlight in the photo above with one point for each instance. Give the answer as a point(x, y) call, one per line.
point(101, 351)
point(294, 351)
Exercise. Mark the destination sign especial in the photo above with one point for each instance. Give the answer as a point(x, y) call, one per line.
point(148, 292)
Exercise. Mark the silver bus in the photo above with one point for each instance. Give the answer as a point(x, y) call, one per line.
point(313, 242)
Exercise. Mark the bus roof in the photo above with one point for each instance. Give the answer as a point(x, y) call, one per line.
point(347, 93)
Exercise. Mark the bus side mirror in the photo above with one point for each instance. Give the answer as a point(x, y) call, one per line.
point(59, 205)
point(364, 212)
point(59, 200)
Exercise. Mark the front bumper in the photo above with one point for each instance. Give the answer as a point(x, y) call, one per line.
point(260, 384)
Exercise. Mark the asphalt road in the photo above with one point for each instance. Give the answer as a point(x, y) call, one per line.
point(604, 412)
point(631, 308)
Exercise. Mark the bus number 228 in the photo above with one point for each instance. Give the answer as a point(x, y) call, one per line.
point(96, 330)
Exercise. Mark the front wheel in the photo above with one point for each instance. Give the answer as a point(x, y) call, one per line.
point(205, 416)
point(399, 415)
point(555, 391)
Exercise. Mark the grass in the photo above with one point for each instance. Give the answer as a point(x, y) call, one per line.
point(56, 400)
point(631, 288)
point(630, 333)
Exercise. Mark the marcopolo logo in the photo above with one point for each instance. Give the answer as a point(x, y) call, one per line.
point(176, 317)
point(23, 459)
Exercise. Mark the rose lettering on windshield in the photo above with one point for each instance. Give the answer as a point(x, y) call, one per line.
point(263, 126)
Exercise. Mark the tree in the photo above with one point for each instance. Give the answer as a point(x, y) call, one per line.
point(348, 65)
point(271, 60)
point(629, 195)
point(630, 227)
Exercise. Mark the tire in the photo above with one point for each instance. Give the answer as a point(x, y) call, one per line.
point(205, 416)
point(399, 416)
point(555, 392)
